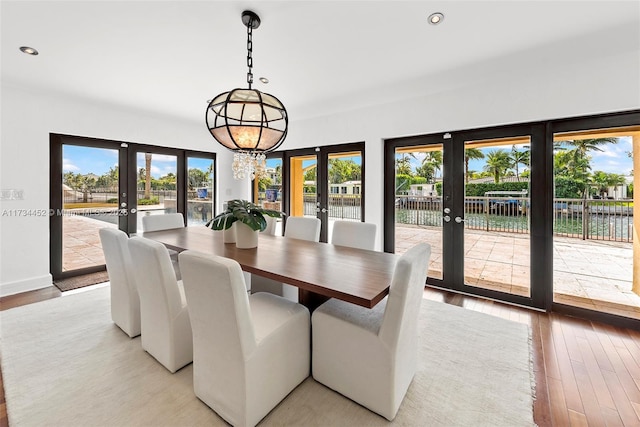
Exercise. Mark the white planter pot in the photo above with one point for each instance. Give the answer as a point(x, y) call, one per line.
point(229, 235)
point(246, 238)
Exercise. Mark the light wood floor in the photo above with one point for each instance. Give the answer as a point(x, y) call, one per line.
point(587, 373)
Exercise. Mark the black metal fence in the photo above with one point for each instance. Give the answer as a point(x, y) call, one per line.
point(341, 206)
point(610, 220)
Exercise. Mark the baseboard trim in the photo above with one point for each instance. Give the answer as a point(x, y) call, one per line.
point(31, 284)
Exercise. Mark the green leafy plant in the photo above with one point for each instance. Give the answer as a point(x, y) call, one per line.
point(245, 212)
point(149, 201)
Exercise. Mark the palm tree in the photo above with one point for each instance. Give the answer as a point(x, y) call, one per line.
point(147, 176)
point(403, 166)
point(497, 163)
point(615, 180)
point(582, 146)
point(433, 161)
point(601, 181)
point(471, 154)
point(518, 158)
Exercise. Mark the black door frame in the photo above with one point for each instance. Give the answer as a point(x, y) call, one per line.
point(542, 191)
point(453, 147)
point(577, 124)
point(540, 249)
point(56, 142)
point(322, 182)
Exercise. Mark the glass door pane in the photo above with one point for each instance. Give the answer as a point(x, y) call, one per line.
point(200, 196)
point(268, 190)
point(326, 183)
point(156, 185)
point(496, 222)
point(594, 251)
point(418, 201)
point(90, 179)
point(303, 185)
point(344, 196)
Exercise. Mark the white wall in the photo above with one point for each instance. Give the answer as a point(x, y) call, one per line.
point(27, 119)
point(514, 92)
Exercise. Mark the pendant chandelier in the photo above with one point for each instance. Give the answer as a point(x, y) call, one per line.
point(246, 121)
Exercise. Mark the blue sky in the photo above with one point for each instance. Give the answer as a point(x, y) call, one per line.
point(78, 159)
point(83, 160)
point(613, 158)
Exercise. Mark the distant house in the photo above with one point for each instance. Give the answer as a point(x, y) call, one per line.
point(620, 191)
point(347, 187)
point(426, 190)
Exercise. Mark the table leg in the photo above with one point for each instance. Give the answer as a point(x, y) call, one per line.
point(311, 300)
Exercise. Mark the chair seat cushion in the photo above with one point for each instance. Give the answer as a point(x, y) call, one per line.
point(354, 315)
point(270, 312)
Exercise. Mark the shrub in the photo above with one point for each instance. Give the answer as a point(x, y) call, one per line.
point(151, 201)
point(478, 190)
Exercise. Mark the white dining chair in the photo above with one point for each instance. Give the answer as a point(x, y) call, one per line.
point(162, 222)
point(165, 324)
point(125, 303)
point(370, 355)
point(165, 222)
point(272, 225)
point(354, 234)
point(249, 352)
point(303, 228)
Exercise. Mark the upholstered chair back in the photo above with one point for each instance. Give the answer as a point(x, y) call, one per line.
point(162, 222)
point(222, 282)
point(303, 228)
point(164, 317)
point(400, 321)
point(249, 352)
point(355, 234)
point(125, 303)
point(155, 277)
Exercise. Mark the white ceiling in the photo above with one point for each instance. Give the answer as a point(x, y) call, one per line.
point(169, 57)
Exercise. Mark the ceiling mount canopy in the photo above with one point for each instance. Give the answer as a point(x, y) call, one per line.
point(246, 121)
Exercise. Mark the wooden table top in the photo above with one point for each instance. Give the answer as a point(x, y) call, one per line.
point(354, 275)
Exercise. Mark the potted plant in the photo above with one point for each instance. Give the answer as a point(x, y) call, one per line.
point(249, 218)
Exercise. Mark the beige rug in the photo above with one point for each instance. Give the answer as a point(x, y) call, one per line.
point(64, 363)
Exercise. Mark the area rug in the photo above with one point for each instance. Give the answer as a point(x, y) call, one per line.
point(65, 363)
point(77, 282)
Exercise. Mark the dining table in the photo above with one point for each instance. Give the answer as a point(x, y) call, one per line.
point(319, 270)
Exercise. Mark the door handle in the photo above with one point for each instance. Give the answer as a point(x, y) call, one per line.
point(323, 210)
point(458, 219)
point(446, 218)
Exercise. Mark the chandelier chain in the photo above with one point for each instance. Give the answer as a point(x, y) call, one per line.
point(250, 51)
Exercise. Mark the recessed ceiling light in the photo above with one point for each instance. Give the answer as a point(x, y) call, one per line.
point(436, 18)
point(28, 50)
point(264, 80)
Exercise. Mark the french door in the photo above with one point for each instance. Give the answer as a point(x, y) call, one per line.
point(325, 182)
point(473, 197)
point(98, 183)
point(88, 191)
